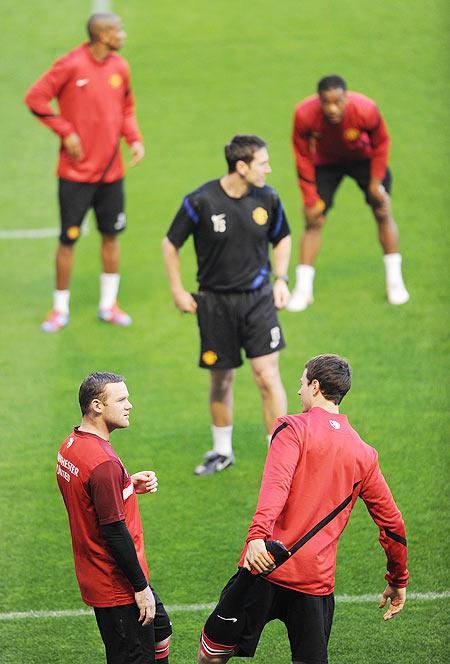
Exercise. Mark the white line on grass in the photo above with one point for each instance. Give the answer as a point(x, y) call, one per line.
point(189, 608)
point(30, 234)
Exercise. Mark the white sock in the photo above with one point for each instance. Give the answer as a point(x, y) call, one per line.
point(304, 278)
point(109, 287)
point(222, 439)
point(393, 267)
point(61, 301)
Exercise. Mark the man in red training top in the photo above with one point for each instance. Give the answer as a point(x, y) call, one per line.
point(338, 133)
point(316, 467)
point(92, 87)
point(106, 528)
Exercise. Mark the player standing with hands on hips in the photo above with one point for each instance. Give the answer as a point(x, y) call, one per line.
point(106, 528)
point(337, 134)
point(233, 220)
point(316, 468)
point(96, 109)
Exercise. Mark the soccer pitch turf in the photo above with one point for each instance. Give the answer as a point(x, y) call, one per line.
point(202, 72)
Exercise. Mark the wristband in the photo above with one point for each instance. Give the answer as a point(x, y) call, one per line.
point(283, 277)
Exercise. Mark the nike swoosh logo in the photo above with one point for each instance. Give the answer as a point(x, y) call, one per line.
point(231, 619)
point(82, 81)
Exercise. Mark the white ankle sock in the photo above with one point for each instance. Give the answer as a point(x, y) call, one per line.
point(61, 301)
point(393, 267)
point(304, 278)
point(222, 443)
point(109, 287)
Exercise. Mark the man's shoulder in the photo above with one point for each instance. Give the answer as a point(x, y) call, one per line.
point(361, 103)
point(205, 190)
point(308, 108)
point(264, 194)
point(73, 56)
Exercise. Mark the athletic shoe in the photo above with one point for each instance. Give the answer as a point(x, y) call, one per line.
point(397, 294)
point(214, 463)
point(299, 300)
point(55, 321)
point(115, 316)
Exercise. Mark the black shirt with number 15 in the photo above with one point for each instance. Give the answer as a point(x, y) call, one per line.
point(231, 235)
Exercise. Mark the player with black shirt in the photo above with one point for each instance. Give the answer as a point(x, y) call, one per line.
point(232, 221)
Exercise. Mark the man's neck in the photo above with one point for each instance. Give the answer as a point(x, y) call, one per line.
point(326, 405)
point(234, 185)
point(88, 425)
point(99, 51)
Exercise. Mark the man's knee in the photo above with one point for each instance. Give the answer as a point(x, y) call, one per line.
point(203, 659)
point(221, 381)
point(267, 375)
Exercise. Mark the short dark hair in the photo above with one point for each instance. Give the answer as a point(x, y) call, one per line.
point(242, 148)
point(93, 387)
point(97, 23)
point(331, 83)
point(333, 373)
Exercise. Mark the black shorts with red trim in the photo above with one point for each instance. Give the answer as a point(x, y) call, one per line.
point(76, 198)
point(126, 640)
point(229, 322)
point(248, 603)
point(329, 177)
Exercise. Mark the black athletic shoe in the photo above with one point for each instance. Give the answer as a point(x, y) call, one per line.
point(214, 463)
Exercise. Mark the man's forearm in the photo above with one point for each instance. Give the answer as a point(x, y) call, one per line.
point(122, 549)
point(172, 263)
point(280, 255)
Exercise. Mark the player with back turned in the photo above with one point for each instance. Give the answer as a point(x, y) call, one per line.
point(338, 133)
point(316, 468)
point(233, 220)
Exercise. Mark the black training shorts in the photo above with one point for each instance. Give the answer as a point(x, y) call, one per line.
point(126, 640)
point(231, 321)
point(328, 179)
point(75, 199)
point(308, 619)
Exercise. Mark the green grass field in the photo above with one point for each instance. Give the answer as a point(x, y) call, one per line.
point(203, 71)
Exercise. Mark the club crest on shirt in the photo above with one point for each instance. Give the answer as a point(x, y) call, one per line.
point(351, 134)
point(260, 216)
point(209, 357)
point(115, 81)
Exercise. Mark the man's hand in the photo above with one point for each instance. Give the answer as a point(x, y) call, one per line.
point(138, 152)
point(72, 146)
point(398, 599)
point(314, 213)
point(145, 481)
point(257, 557)
point(280, 293)
point(377, 193)
point(185, 302)
point(146, 605)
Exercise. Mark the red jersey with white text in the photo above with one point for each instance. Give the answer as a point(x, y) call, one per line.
point(97, 490)
point(360, 135)
point(95, 102)
point(315, 462)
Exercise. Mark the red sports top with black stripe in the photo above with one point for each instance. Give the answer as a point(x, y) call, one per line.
point(313, 464)
point(97, 490)
point(360, 135)
point(95, 102)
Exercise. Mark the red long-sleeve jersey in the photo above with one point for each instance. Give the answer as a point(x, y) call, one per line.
point(95, 102)
point(315, 462)
point(361, 134)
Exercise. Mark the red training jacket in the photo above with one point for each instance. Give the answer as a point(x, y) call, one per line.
point(95, 102)
point(315, 461)
point(360, 135)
